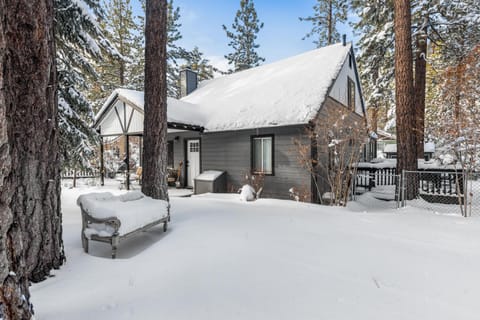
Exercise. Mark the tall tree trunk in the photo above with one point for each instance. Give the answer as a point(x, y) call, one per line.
point(154, 182)
point(458, 84)
point(122, 51)
point(374, 107)
point(30, 229)
point(420, 85)
point(374, 118)
point(330, 22)
point(405, 112)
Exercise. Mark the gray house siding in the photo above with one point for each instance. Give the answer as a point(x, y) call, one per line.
point(231, 152)
point(324, 121)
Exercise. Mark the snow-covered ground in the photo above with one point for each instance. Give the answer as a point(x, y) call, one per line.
point(271, 259)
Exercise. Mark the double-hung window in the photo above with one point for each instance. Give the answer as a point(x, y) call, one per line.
point(262, 154)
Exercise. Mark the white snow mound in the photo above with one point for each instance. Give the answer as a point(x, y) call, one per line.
point(247, 193)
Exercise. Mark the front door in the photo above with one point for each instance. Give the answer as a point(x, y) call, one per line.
point(193, 161)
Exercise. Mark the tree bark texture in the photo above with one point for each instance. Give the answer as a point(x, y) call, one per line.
point(330, 23)
point(30, 231)
point(420, 90)
point(405, 112)
point(154, 181)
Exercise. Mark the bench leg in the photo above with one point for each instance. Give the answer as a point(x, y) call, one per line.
point(84, 243)
point(115, 241)
point(165, 226)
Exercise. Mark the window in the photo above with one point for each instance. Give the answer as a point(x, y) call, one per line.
point(262, 154)
point(351, 94)
point(170, 154)
point(194, 146)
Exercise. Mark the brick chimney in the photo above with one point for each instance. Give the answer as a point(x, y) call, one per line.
point(188, 82)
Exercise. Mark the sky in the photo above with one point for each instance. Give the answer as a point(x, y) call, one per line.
point(281, 36)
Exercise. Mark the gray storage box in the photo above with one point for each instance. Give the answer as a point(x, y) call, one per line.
point(211, 181)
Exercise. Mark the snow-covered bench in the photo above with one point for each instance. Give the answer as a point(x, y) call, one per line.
point(108, 218)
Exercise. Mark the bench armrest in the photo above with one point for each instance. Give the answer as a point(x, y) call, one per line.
point(113, 222)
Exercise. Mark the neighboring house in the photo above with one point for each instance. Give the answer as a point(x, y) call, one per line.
point(384, 138)
point(390, 150)
point(246, 122)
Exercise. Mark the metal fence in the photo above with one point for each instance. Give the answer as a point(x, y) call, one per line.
point(72, 173)
point(441, 191)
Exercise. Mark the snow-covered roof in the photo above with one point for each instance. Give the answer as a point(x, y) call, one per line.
point(384, 135)
point(429, 147)
point(392, 147)
point(179, 112)
point(439, 164)
point(286, 92)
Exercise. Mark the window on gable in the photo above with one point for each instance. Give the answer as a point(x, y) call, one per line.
point(351, 94)
point(262, 154)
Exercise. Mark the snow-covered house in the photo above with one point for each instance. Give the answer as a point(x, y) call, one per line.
point(246, 122)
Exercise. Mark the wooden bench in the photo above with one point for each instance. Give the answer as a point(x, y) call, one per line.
point(111, 219)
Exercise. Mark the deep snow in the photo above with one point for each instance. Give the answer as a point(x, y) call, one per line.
point(271, 259)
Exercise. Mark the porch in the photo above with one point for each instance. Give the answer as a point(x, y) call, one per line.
point(119, 124)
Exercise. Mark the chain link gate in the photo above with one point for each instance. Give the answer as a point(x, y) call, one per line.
point(472, 186)
point(441, 191)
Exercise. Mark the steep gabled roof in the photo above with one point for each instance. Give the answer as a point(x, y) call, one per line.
point(286, 92)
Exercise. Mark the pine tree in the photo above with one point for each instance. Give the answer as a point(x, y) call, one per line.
point(453, 26)
point(456, 63)
point(450, 27)
point(245, 28)
point(376, 58)
point(137, 67)
point(116, 71)
point(31, 231)
point(327, 15)
point(195, 61)
point(79, 42)
point(154, 183)
point(175, 53)
point(457, 29)
point(420, 87)
point(406, 139)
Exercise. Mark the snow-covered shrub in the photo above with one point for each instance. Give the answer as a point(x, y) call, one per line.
point(247, 193)
point(256, 181)
point(299, 194)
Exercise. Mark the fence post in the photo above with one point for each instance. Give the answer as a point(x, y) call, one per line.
point(465, 193)
point(403, 183)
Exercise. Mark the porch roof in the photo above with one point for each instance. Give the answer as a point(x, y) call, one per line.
point(123, 114)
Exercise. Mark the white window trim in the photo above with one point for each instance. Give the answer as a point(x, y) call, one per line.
point(262, 169)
